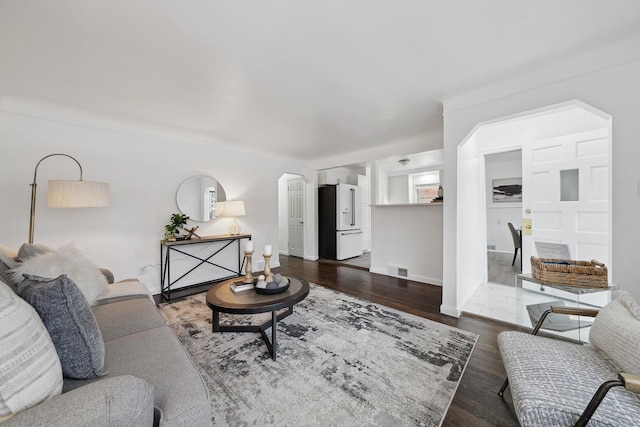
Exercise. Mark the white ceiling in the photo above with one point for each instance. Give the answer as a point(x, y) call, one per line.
point(302, 78)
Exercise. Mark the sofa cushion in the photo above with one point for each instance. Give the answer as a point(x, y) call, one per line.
point(156, 356)
point(552, 382)
point(70, 322)
point(616, 332)
point(69, 260)
point(116, 401)
point(30, 370)
point(125, 317)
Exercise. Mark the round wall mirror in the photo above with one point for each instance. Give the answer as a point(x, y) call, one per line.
point(197, 197)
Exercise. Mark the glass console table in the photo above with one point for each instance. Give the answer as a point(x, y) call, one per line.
point(571, 296)
point(198, 262)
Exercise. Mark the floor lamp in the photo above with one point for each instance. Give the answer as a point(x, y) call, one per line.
point(69, 194)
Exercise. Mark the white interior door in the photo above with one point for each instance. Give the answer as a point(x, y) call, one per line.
point(565, 194)
point(295, 189)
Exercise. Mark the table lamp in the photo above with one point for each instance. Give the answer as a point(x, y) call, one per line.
point(233, 208)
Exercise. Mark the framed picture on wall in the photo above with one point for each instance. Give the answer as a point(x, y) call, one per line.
point(507, 190)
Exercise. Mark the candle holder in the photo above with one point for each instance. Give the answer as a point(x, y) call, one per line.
point(248, 274)
point(267, 270)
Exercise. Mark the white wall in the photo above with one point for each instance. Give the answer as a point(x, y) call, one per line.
point(498, 166)
point(615, 91)
point(144, 166)
point(398, 189)
point(409, 236)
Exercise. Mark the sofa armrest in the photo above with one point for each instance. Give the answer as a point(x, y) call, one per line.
point(121, 400)
point(124, 289)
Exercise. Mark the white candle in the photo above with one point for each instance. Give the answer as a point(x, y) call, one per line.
point(249, 246)
point(267, 250)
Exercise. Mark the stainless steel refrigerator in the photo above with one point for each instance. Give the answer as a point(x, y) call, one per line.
point(339, 221)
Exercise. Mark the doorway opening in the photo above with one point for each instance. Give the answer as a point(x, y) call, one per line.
point(566, 137)
point(291, 215)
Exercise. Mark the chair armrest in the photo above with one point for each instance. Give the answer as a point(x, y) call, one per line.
point(631, 382)
point(575, 311)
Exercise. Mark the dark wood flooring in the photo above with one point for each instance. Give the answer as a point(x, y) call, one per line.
point(476, 402)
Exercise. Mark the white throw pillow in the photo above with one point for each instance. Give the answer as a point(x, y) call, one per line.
point(70, 260)
point(30, 370)
point(616, 332)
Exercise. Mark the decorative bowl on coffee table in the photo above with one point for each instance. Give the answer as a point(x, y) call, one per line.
point(272, 291)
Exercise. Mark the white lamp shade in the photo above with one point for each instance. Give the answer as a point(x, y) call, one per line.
point(233, 208)
point(218, 209)
point(78, 194)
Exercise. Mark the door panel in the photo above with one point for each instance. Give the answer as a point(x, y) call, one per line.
point(296, 217)
point(581, 221)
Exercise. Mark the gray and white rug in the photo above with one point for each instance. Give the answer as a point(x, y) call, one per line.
point(341, 361)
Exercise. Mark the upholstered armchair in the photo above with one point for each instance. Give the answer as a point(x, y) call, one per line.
point(562, 383)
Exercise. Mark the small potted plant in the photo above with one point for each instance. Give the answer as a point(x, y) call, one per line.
point(173, 228)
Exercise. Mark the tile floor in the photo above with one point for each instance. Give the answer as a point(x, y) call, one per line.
point(509, 304)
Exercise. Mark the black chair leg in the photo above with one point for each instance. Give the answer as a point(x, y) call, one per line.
point(515, 255)
point(504, 387)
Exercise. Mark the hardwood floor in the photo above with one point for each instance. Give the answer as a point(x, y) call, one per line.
point(476, 402)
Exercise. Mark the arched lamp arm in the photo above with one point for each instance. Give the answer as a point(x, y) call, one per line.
point(33, 190)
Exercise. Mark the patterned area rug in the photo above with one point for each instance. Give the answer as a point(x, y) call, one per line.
point(341, 361)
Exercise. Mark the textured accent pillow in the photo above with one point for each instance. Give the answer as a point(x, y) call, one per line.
point(8, 260)
point(30, 370)
point(616, 332)
point(70, 260)
point(68, 318)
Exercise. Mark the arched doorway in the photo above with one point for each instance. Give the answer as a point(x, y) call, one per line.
point(541, 135)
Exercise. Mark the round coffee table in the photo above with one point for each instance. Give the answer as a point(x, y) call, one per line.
point(221, 299)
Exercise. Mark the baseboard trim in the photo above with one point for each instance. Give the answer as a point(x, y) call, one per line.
point(421, 279)
point(450, 311)
point(311, 258)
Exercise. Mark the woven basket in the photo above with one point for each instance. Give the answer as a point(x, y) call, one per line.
point(588, 274)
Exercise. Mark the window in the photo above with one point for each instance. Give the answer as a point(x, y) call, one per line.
point(425, 193)
point(425, 186)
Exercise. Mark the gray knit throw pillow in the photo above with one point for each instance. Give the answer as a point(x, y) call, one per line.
point(67, 316)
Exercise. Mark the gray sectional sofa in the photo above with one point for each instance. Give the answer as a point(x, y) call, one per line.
point(150, 378)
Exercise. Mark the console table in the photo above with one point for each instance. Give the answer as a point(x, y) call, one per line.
point(574, 294)
point(212, 246)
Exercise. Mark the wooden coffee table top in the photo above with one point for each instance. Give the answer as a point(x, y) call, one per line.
point(221, 298)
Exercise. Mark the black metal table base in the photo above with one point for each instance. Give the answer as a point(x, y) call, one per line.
point(275, 318)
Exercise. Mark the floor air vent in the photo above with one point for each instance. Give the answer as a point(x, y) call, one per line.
point(397, 270)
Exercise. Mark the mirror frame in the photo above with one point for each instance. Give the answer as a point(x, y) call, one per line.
point(188, 199)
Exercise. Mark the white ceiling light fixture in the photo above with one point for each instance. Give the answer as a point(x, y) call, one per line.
point(404, 162)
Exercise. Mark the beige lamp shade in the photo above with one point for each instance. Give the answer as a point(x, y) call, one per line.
point(78, 194)
point(233, 208)
point(218, 209)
